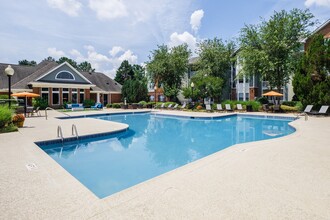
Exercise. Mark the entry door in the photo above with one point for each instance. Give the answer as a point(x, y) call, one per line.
point(105, 99)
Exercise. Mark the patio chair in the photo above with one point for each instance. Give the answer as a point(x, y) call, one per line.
point(208, 107)
point(175, 106)
point(169, 106)
point(97, 106)
point(36, 111)
point(162, 105)
point(240, 108)
point(323, 110)
point(308, 109)
point(219, 108)
point(265, 107)
point(228, 108)
point(183, 106)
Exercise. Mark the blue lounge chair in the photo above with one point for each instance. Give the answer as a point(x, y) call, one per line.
point(97, 106)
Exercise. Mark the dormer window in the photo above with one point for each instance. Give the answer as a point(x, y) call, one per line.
point(64, 75)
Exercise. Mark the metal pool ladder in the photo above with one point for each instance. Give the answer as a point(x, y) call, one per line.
point(59, 132)
point(74, 131)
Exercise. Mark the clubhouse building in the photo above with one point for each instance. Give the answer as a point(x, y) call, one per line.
point(60, 83)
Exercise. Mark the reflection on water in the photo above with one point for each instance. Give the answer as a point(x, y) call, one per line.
point(154, 145)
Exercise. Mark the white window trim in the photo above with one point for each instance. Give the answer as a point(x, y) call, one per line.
point(65, 71)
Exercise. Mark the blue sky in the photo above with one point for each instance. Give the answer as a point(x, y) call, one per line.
point(106, 32)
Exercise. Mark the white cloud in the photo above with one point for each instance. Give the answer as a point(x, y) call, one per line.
point(101, 62)
point(177, 39)
point(128, 55)
point(325, 3)
point(53, 52)
point(70, 7)
point(106, 9)
point(115, 50)
point(75, 53)
point(195, 19)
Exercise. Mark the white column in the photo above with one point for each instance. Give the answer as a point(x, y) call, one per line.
point(97, 97)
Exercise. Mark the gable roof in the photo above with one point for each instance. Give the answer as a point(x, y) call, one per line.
point(102, 82)
point(59, 66)
point(26, 75)
point(40, 69)
point(20, 73)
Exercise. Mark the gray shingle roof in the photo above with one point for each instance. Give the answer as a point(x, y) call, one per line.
point(41, 69)
point(102, 82)
point(25, 74)
point(20, 73)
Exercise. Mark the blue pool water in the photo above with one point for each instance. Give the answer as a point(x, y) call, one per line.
point(154, 145)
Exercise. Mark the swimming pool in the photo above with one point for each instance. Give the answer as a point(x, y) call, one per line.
point(155, 144)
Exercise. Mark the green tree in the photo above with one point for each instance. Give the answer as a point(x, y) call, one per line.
point(27, 63)
point(134, 90)
point(311, 82)
point(134, 82)
point(272, 47)
point(70, 61)
point(124, 72)
point(213, 67)
point(167, 67)
point(85, 67)
point(139, 72)
point(49, 59)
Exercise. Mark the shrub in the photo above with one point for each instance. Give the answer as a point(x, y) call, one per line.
point(299, 106)
point(5, 116)
point(41, 103)
point(116, 105)
point(289, 103)
point(287, 108)
point(143, 103)
point(109, 105)
point(263, 100)
point(9, 128)
point(88, 103)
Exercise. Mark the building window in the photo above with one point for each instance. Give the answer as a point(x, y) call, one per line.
point(74, 96)
point(45, 94)
point(240, 96)
point(64, 75)
point(65, 95)
point(247, 96)
point(81, 95)
point(56, 96)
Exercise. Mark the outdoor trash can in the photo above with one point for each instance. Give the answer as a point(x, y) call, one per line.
point(249, 108)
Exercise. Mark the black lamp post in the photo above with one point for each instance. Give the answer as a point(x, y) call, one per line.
point(9, 72)
point(192, 91)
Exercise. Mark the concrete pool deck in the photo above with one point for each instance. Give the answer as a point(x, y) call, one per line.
point(284, 178)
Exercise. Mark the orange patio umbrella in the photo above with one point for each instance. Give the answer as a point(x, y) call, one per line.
point(25, 95)
point(272, 93)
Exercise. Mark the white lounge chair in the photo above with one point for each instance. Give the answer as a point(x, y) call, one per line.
point(228, 108)
point(208, 107)
point(308, 109)
point(323, 110)
point(175, 106)
point(239, 107)
point(219, 108)
point(184, 106)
